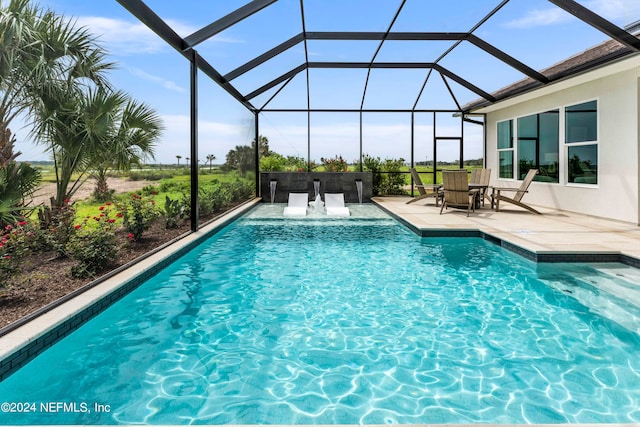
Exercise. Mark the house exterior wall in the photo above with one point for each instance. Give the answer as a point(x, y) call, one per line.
point(616, 196)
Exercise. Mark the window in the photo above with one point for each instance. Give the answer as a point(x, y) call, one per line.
point(581, 137)
point(505, 149)
point(538, 145)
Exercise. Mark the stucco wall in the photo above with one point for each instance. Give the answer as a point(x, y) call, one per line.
point(616, 194)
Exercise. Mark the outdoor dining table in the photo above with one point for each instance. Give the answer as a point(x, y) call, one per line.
point(482, 188)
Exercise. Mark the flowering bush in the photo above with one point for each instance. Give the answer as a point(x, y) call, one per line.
point(16, 242)
point(138, 213)
point(149, 190)
point(58, 225)
point(335, 164)
point(94, 245)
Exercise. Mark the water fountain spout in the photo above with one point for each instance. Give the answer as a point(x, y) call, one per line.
point(272, 188)
point(359, 188)
point(316, 188)
point(317, 205)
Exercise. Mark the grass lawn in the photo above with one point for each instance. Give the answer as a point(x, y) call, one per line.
point(175, 184)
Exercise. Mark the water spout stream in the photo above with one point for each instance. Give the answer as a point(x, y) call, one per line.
point(272, 187)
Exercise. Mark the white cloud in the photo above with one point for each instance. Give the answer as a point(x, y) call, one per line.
point(167, 84)
point(213, 138)
point(122, 37)
point(539, 18)
point(620, 12)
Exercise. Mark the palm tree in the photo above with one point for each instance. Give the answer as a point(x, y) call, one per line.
point(46, 65)
point(210, 159)
point(263, 145)
point(240, 158)
point(17, 180)
point(178, 157)
point(39, 52)
point(128, 136)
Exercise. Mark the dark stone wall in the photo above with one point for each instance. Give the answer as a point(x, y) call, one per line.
point(330, 182)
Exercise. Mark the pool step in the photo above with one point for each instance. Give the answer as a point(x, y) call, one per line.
point(609, 289)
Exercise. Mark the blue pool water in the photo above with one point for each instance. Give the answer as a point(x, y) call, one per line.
point(350, 321)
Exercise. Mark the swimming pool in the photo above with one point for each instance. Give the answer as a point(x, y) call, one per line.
point(348, 321)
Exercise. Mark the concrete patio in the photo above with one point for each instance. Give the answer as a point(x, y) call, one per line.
point(553, 232)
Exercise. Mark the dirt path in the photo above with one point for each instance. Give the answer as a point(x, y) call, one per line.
point(47, 190)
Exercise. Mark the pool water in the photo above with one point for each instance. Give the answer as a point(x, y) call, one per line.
point(348, 321)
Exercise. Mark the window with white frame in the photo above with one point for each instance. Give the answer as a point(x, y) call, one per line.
point(581, 140)
point(505, 149)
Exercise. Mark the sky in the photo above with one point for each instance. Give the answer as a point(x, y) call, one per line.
point(533, 31)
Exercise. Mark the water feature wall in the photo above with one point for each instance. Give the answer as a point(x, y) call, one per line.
point(310, 182)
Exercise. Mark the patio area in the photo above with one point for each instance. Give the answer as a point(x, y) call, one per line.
point(553, 232)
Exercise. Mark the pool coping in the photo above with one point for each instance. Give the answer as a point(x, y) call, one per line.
point(23, 340)
point(532, 255)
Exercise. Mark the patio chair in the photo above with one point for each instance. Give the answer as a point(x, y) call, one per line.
point(334, 204)
point(297, 205)
point(496, 193)
point(480, 179)
point(456, 191)
point(422, 189)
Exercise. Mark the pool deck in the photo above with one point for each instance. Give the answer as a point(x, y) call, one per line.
point(554, 232)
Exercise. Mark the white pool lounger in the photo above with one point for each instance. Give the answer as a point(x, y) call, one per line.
point(297, 205)
point(334, 204)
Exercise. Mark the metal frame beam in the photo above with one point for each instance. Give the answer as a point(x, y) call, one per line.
point(367, 65)
point(226, 22)
point(357, 110)
point(277, 81)
point(377, 36)
point(148, 17)
point(395, 36)
point(193, 130)
point(599, 23)
point(507, 59)
point(264, 57)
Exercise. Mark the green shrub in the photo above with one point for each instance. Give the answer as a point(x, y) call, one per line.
point(16, 242)
point(174, 211)
point(216, 196)
point(273, 162)
point(138, 213)
point(213, 197)
point(393, 180)
point(149, 190)
point(240, 190)
point(94, 246)
point(387, 175)
point(374, 165)
point(170, 186)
